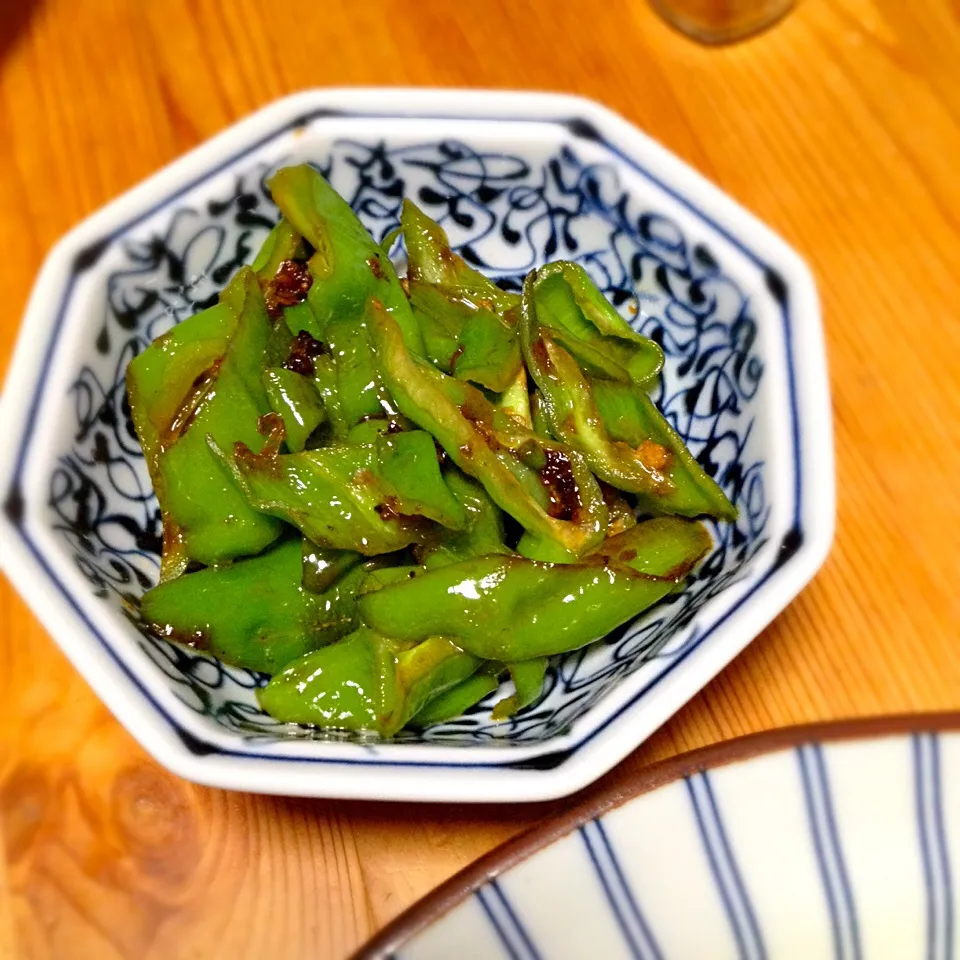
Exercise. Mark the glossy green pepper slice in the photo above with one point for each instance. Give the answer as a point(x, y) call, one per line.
point(348, 685)
point(515, 401)
point(283, 243)
point(206, 517)
point(366, 682)
point(347, 268)
point(631, 418)
point(253, 613)
point(561, 297)
point(469, 342)
point(649, 460)
point(372, 498)
point(544, 485)
point(459, 699)
point(295, 398)
point(568, 407)
point(469, 324)
point(322, 568)
point(509, 608)
point(527, 677)
point(484, 533)
point(169, 375)
point(430, 260)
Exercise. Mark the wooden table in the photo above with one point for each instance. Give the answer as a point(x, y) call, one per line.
point(840, 128)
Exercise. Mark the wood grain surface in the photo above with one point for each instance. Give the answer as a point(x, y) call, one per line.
point(840, 128)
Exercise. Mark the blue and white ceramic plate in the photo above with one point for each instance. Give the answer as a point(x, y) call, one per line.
point(800, 843)
point(517, 179)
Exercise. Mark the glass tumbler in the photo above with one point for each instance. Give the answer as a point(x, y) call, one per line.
point(721, 21)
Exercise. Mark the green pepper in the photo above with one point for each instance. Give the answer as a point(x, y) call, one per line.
point(322, 568)
point(469, 342)
point(372, 498)
point(253, 613)
point(538, 418)
point(347, 268)
point(348, 685)
point(515, 401)
point(370, 431)
point(366, 682)
point(645, 456)
point(206, 517)
point(430, 260)
point(469, 324)
point(425, 672)
point(283, 243)
point(285, 281)
point(457, 700)
point(632, 418)
point(484, 533)
point(567, 404)
point(622, 516)
point(294, 398)
point(527, 676)
point(166, 375)
point(561, 297)
point(509, 608)
point(542, 484)
point(325, 383)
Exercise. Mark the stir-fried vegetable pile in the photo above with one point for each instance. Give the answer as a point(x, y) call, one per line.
point(391, 493)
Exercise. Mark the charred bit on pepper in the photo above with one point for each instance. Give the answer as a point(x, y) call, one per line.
point(454, 358)
point(388, 509)
point(376, 267)
point(303, 351)
point(198, 639)
point(287, 287)
point(539, 350)
point(561, 485)
point(192, 404)
point(477, 413)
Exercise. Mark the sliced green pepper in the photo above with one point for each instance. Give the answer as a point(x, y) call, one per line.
point(632, 418)
point(542, 484)
point(562, 297)
point(430, 260)
point(347, 268)
point(348, 685)
point(527, 676)
point(167, 375)
point(325, 382)
point(457, 700)
point(206, 517)
point(296, 399)
point(469, 324)
point(283, 243)
point(469, 342)
point(322, 568)
point(515, 401)
point(374, 498)
point(509, 608)
point(484, 532)
point(366, 682)
point(568, 407)
point(644, 456)
point(253, 613)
